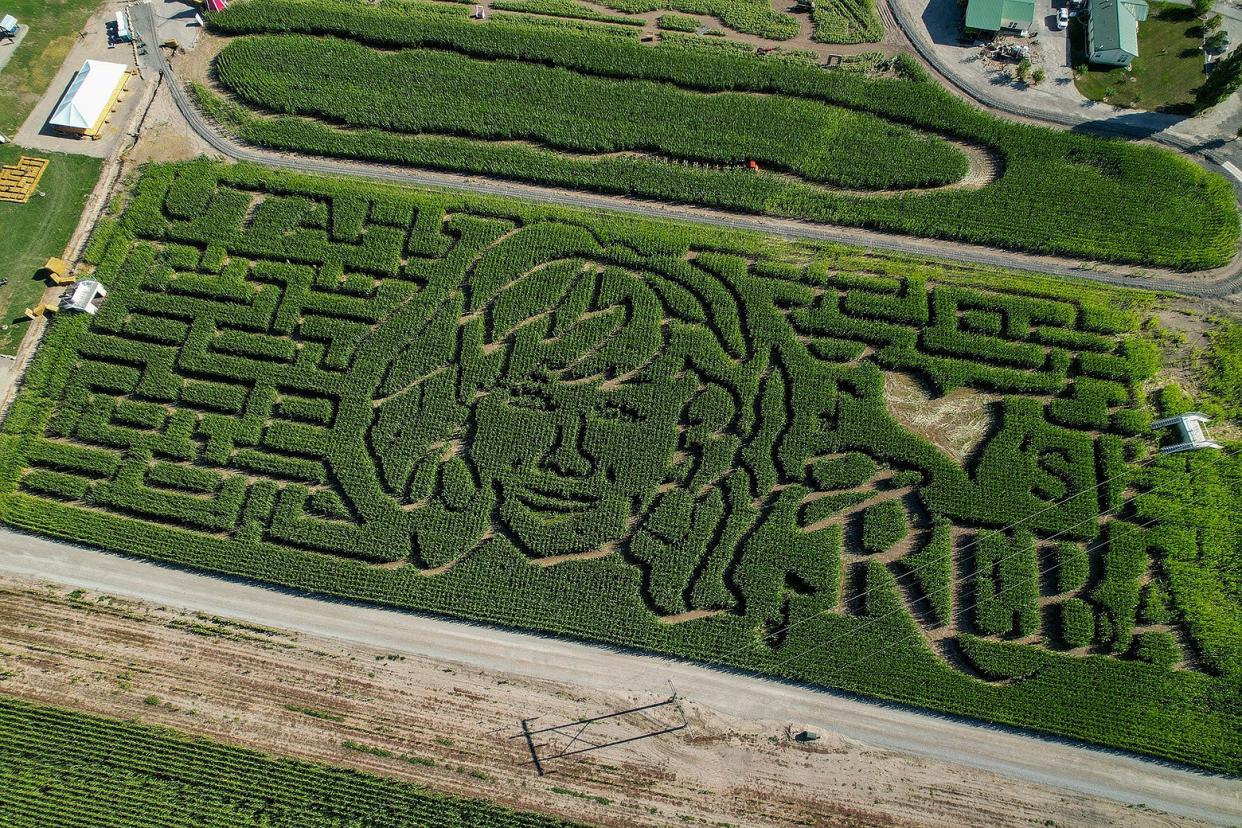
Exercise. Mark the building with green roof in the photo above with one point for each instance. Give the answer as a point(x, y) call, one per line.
point(1112, 31)
point(995, 15)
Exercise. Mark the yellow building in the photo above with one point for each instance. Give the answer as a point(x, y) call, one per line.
point(90, 98)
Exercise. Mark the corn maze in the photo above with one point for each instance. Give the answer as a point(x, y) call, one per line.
point(847, 21)
point(627, 432)
point(746, 16)
point(417, 84)
point(448, 93)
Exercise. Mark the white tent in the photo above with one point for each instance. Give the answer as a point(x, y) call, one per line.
point(1190, 428)
point(86, 296)
point(90, 96)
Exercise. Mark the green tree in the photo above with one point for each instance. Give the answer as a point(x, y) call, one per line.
point(1213, 23)
point(1201, 7)
point(1223, 82)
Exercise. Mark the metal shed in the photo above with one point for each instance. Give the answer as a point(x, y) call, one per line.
point(995, 15)
point(90, 98)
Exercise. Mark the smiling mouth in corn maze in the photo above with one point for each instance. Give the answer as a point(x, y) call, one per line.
point(586, 457)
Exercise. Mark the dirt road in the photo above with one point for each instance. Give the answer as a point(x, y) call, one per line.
point(586, 670)
point(1220, 283)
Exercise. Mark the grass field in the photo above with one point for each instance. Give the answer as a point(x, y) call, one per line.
point(658, 436)
point(678, 122)
point(67, 768)
point(54, 27)
point(37, 230)
point(1164, 75)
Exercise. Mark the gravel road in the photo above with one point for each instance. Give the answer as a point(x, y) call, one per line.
point(1119, 777)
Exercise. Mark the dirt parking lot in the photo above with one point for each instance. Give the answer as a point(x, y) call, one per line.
point(175, 21)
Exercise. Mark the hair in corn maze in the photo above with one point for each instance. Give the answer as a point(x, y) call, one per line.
point(576, 407)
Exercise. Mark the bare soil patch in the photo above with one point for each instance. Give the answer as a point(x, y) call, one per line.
point(955, 423)
point(1187, 325)
point(165, 135)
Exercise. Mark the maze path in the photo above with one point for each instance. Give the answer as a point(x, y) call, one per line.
point(384, 382)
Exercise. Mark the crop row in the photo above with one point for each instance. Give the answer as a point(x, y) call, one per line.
point(566, 9)
point(68, 768)
point(440, 93)
point(847, 21)
point(1162, 209)
point(746, 16)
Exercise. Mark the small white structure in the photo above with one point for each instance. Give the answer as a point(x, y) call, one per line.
point(1190, 426)
point(8, 26)
point(86, 296)
point(90, 98)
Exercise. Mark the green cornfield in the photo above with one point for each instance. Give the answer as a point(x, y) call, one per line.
point(63, 768)
point(599, 110)
point(652, 435)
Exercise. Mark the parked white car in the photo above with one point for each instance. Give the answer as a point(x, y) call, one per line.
point(1063, 17)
